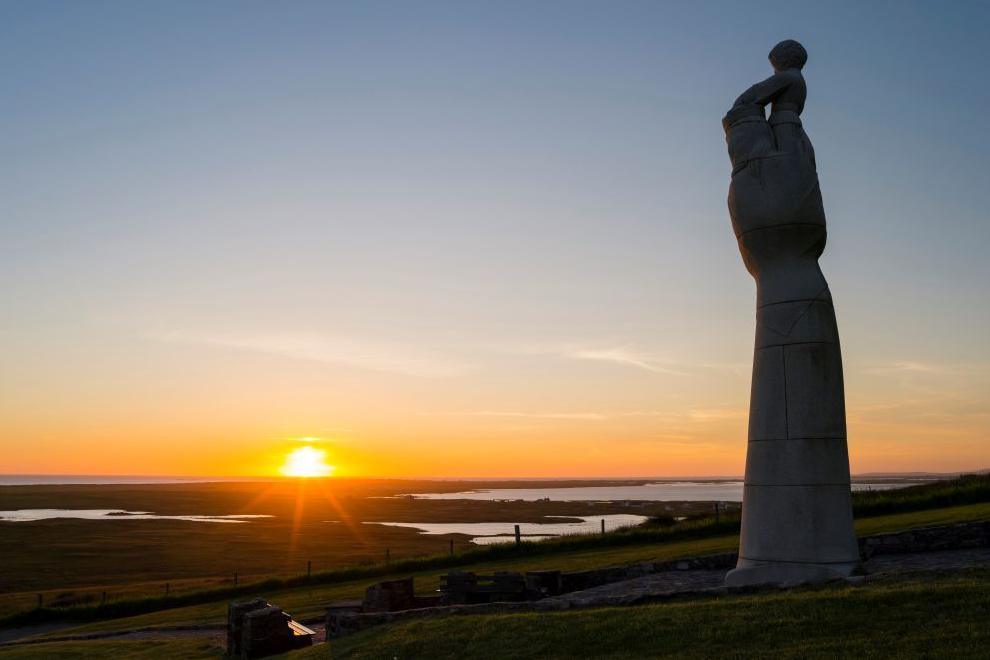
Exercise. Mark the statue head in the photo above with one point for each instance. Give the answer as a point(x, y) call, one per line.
point(788, 54)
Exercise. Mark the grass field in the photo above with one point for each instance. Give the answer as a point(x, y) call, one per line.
point(323, 522)
point(78, 562)
point(310, 601)
point(619, 547)
point(143, 649)
point(925, 617)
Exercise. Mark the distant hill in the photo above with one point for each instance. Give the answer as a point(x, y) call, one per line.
point(917, 475)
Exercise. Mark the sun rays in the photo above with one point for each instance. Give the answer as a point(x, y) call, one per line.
point(307, 462)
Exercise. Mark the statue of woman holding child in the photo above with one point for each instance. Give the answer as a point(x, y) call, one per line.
point(797, 512)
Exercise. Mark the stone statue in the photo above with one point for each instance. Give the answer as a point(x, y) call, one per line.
point(797, 521)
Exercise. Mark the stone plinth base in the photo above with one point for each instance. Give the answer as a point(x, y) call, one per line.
point(786, 574)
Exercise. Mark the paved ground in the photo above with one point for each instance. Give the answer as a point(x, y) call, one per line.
point(943, 560)
point(648, 587)
point(676, 583)
point(20, 632)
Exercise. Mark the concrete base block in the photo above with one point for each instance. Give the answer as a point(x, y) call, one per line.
point(788, 575)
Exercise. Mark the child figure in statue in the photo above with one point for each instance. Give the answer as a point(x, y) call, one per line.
point(797, 509)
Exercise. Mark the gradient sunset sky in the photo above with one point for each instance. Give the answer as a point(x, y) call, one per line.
point(469, 238)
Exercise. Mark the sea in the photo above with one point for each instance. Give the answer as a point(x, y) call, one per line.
point(660, 491)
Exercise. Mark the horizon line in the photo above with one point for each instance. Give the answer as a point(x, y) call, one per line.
point(278, 478)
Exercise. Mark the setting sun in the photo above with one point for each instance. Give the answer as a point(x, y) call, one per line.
point(306, 462)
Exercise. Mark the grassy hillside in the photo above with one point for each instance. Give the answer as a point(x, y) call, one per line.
point(142, 649)
point(929, 617)
point(309, 601)
point(145, 596)
point(925, 617)
point(62, 555)
point(967, 489)
point(203, 602)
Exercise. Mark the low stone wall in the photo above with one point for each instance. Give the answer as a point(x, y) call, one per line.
point(722, 560)
point(925, 539)
point(580, 580)
point(344, 620)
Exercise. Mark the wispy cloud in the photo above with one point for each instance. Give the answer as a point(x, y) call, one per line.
point(586, 416)
point(714, 414)
point(624, 355)
point(908, 366)
point(946, 407)
point(741, 369)
point(914, 367)
point(383, 357)
point(596, 416)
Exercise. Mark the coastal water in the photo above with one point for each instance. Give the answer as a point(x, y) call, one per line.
point(30, 515)
point(486, 533)
point(664, 491)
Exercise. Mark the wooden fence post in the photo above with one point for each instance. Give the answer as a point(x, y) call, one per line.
point(716, 514)
point(518, 536)
point(235, 578)
point(451, 546)
point(40, 600)
point(388, 555)
point(166, 589)
point(309, 569)
point(603, 525)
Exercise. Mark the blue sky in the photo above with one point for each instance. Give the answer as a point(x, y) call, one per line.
point(397, 223)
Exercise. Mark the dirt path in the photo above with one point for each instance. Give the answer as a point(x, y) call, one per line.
point(165, 632)
point(215, 633)
point(12, 634)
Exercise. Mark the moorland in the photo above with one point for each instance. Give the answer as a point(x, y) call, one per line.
point(944, 502)
point(315, 525)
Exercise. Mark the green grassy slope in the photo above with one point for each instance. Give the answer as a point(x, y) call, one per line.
point(138, 649)
point(310, 601)
point(623, 546)
point(925, 617)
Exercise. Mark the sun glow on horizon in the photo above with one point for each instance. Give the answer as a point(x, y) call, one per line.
point(307, 462)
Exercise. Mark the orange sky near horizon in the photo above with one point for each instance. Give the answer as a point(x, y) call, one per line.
point(246, 438)
point(143, 405)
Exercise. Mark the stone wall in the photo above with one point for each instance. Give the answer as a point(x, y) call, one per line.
point(925, 539)
point(705, 562)
point(579, 580)
point(346, 618)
